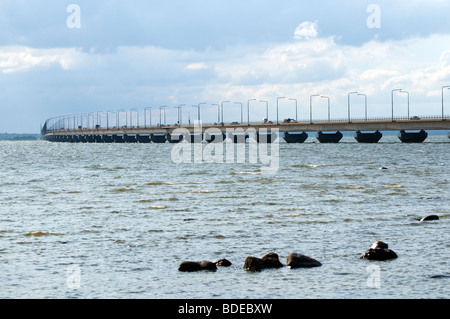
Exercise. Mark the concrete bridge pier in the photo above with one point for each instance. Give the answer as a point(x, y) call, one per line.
point(175, 138)
point(129, 138)
point(143, 138)
point(368, 137)
point(106, 138)
point(329, 137)
point(295, 137)
point(266, 137)
point(216, 138)
point(97, 139)
point(238, 137)
point(412, 137)
point(118, 138)
point(158, 138)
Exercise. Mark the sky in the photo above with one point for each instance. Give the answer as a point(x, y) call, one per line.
point(59, 58)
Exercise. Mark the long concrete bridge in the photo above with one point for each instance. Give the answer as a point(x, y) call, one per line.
point(366, 131)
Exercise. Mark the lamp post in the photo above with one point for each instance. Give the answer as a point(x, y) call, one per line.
point(310, 106)
point(198, 110)
point(392, 102)
point(407, 93)
point(444, 87)
point(221, 110)
point(145, 116)
point(267, 109)
point(365, 105)
point(131, 117)
point(160, 109)
point(241, 110)
point(107, 119)
point(296, 111)
point(248, 111)
point(218, 112)
point(180, 114)
point(348, 104)
point(278, 99)
point(326, 97)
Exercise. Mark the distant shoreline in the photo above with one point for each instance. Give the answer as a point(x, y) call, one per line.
point(19, 137)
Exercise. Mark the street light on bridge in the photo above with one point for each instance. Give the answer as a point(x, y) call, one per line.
point(296, 111)
point(348, 104)
point(267, 109)
point(118, 118)
point(248, 110)
point(326, 97)
point(221, 110)
point(365, 104)
point(392, 102)
point(310, 106)
point(160, 108)
point(218, 112)
point(131, 117)
point(180, 114)
point(145, 116)
point(241, 110)
point(279, 98)
point(444, 87)
point(407, 93)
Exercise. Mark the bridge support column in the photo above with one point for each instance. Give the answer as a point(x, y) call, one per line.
point(143, 138)
point(216, 138)
point(107, 139)
point(329, 137)
point(238, 137)
point(412, 137)
point(158, 138)
point(266, 137)
point(368, 137)
point(118, 138)
point(295, 137)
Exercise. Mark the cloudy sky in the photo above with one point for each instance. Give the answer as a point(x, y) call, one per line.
point(57, 60)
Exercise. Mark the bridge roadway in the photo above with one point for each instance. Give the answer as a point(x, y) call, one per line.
point(384, 125)
point(293, 132)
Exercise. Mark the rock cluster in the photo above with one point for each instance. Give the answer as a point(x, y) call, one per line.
point(269, 260)
point(190, 266)
point(379, 251)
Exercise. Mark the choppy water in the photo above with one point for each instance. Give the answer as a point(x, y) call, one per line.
point(115, 221)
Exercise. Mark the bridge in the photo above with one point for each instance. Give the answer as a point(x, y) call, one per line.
point(74, 130)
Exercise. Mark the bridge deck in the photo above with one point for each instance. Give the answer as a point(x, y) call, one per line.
point(384, 125)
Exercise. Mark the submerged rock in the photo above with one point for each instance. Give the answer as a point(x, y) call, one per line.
point(222, 262)
point(430, 217)
point(271, 260)
point(296, 260)
point(190, 266)
point(253, 264)
point(379, 251)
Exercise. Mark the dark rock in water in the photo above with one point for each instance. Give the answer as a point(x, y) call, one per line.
point(222, 262)
point(379, 245)
point(190, 266)
point(296, 260)
point(379, 251)
point(440, 276)
point(270, 260)
point(253, 264)
point(430, 217)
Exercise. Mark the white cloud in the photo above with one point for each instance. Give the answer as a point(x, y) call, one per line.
point(306, 30)
point(20, 59)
